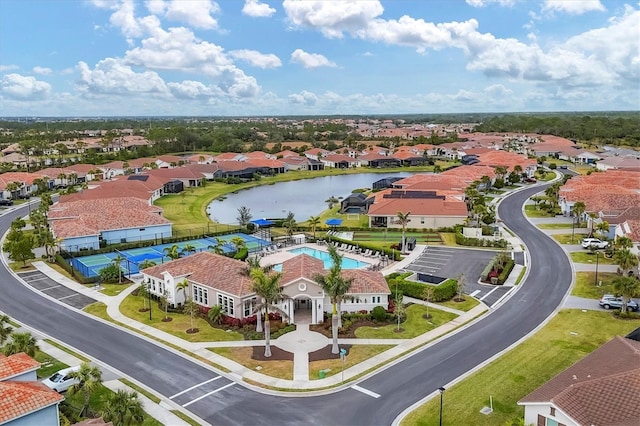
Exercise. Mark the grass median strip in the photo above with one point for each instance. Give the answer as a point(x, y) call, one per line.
point(67, 350)
point(140, 390)
point(567, 338)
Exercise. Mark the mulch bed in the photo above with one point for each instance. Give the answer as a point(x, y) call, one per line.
point(277, 354)
point(325, 328)
point(325, 353)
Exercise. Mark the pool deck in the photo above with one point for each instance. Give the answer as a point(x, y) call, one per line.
point(282, 255)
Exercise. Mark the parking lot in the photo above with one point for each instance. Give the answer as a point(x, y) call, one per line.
point(441, 263)
point(48, 286)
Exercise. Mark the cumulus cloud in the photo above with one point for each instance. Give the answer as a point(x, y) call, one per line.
point(257, 9)
point(310, 60)
point(196, 13)
point(498, 90)
point(304, 97)
point(5, 68)
point(190, 89)
point(330, 17)
point(42, 70)
point(111, 76)
point(20, 87)
point(257, 59)
point(483, 3)
point(573, 7)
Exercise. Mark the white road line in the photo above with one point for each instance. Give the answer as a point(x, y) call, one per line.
point(474, 293)
point(365, 391)
point(195, 386)
point(49, 288)
point(485, 296)
point(71, 295)
point(28, 280)
point(207, 394)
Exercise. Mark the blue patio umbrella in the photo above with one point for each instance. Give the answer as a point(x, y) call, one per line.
point(334, 222)
point(262, 222)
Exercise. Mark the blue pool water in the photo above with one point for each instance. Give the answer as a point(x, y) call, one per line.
point(347, 263)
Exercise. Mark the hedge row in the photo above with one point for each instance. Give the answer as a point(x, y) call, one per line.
point(74, 272)
point(479, 242)
point(441, 292)
point(508, 267)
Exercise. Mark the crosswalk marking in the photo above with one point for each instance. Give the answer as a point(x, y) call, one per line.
point(207, 394)
point(195, 386)
point(365, 391)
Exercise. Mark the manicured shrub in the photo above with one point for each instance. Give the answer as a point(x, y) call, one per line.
point(379, 314)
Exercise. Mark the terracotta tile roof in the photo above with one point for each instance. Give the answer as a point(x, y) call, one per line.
point(20, 398)
point(419, 207)
point(172, 158)
point(405, 155)
point(339, 157)
point(53, 172)
point(469, 174)
point(602, 388)
point(365, 282)
point(96, 215)
point(496, 158)
point(631, 228)
point(301, 266)
point(13, 365)
point(166, 175)
point(230, 156)
point(286, 153)
point(316, 151)
point(265, 162)
point(27, 178)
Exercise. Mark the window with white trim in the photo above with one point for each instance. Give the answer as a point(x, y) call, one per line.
point(376, 299)
point(226, 302)
point(201, 295)
point(249, 306)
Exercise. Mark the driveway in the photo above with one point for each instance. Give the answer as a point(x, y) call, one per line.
point(48, 286)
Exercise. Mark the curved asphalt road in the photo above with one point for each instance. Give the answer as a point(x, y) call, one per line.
point(399, 385)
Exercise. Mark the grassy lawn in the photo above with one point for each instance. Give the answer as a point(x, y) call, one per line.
point(515, 374)
point(448, 238)
point(281, 369)
point(178, 326)
point(48, 365)
point(413, 326)
point(566, 238)
point(531, 211)
point(587, 257)
point(559, 226)
point(466, 305)
point(114, 289)
point(356, 355)
point(21, 267)
point(67, 350)
point(585, 285)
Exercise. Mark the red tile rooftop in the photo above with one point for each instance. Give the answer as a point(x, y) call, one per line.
point(14, 365)
point(20, 398)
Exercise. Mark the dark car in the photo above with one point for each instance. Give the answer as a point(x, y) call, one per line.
point(4, 202)
point(609, 301)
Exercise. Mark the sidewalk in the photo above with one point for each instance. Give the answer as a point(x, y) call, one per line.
point(300, 342)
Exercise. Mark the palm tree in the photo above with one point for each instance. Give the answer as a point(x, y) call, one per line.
point(335, 286)
point(267, 288)
point(172, 252)
point(239, 243)
point(627, 287)
point(314, 221)
point(147, 263)
point(188, 249)
point(289, 223)
point(603, 228)
point(579, 208)
point(89, 380)
point(5, 328)
point(49, 242)
point(21, 342)
point(215, 314)
point(486, 183)
point(403, 219)
point(623, 242)
point(117, 261)
point(218, 247)
point(184, 287)
point(331, 201)
point(625, 260)
point(123, 408)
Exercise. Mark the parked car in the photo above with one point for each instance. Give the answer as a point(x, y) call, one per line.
point(530, 180)
point(5, 202)
point(609, 301)
point(594, 242)
point(62, 380)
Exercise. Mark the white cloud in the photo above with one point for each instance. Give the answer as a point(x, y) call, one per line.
point(196, 13)
point(124, 18)
point(310, 60)
point(498, 90)
point(257, 9)
point(235, 83)
point(332, 18)
point(4, 68)
point(573, 7)
point(190, 89)
point(22, 87)
point(483, 3)
point(304, 97)
point(111, 76)
point(42, 70)
point(257, 59)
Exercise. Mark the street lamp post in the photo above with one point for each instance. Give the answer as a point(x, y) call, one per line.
point(597, 253)
point(573, 223)
point(149, 295)
point(441, 389)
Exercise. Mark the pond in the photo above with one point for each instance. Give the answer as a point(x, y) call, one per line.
point(304, 198)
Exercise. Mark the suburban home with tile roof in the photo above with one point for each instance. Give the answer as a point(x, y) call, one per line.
point(297, 162)
point(23, 399)
point(612, 162)
point(218, 280)
point(630, 228)
point(603, 388)
point(84, 224)
point(317, 153)
point(339, 161)
point(27, 183)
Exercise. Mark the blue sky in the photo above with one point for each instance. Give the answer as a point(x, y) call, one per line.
point(303, 57)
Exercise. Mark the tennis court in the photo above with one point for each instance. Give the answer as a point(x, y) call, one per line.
point(90, 266)
point(395, 236)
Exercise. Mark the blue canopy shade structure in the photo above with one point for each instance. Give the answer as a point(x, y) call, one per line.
point(262, 222)
point(334, 222)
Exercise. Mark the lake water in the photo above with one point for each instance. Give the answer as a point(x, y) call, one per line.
point(304, 198)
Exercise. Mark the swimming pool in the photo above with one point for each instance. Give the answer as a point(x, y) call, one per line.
point(347, 263)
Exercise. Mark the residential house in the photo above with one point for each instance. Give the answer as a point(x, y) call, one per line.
point(24, 401)
point(612, 163)
point(81, 225)
point(301, 163)
point(25, 184)
point(379, 160)
point(630, 228)
point(218, 280)
point(603, 388)
point(170, 161)
point(408, 158)
point(354, 203)
point(339, 161)
point(316, 153)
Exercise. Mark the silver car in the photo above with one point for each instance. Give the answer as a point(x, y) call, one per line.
point(609, 301)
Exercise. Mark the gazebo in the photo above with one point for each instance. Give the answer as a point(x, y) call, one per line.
point(264, 233)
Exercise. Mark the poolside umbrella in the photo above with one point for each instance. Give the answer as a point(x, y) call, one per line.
point(334, 222)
